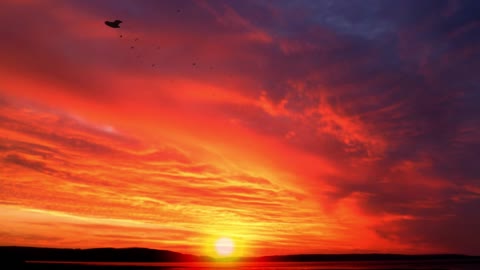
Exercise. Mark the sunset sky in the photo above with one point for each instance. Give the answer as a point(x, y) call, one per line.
point(286, 126)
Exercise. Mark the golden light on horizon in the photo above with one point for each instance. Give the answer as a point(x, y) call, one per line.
point(251, 142)
point(224, 246)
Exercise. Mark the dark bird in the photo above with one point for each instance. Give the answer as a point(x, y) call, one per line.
point(114, 24)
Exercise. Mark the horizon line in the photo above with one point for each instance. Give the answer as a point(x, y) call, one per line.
point(244, 257)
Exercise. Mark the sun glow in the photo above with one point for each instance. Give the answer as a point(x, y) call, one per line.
point(224, 246)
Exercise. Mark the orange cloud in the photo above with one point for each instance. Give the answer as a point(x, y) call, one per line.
point(180, 127)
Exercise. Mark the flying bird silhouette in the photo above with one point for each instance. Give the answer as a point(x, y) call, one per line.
point(114, 24)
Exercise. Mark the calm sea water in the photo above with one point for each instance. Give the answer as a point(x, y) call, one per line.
point(378, 265)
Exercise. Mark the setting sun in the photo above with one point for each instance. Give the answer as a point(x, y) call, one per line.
point(224, 246)
point(230, 132)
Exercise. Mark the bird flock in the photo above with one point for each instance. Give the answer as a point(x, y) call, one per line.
point(116, 24)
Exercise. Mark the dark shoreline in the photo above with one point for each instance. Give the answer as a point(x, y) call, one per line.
point(20, 254)
point(377, 265)
point(31, 258)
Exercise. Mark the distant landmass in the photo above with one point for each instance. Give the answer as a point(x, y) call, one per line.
point(362, 257)
point(23, 254)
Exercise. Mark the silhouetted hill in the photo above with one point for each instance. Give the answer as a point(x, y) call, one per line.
point(361, 257)
point(95, 255)
point(21, 254)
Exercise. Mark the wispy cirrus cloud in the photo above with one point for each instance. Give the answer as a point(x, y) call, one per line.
point(322, 124)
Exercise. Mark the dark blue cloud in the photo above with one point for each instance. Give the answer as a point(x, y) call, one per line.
point(407, 71)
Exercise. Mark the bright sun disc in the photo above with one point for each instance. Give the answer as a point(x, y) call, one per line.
point(224, 246)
